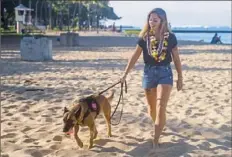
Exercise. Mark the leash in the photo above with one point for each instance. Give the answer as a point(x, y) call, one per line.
point(109, 88)
point(120, 97)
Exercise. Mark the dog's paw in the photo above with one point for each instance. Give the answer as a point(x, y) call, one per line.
point(95, 135)
point(80, 144)
point(90, 146)
point(110, 135)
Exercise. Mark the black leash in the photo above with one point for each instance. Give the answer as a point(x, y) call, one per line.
point(109, 88)
point(120, 97)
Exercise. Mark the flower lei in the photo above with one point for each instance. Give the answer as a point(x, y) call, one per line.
point(157, 50)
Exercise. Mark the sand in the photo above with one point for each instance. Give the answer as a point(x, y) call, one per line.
point(198, 118)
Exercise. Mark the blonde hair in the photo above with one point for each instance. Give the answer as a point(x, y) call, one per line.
point(164, 27)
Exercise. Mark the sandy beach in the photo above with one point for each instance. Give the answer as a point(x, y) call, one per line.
point(198, 118)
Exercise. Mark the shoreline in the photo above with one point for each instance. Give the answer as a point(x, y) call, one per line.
point(92, 39)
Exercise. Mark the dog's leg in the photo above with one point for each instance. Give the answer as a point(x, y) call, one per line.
point(95, 132)
point(84, 109)
point(79, 142)
point(92, 129)
point(107, 114)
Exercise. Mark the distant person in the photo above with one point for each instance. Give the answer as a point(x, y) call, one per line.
point(120, 28)
point(216, 39)
point(213, 41)
point(219, 40)
point(114, 28)
point(159, 46)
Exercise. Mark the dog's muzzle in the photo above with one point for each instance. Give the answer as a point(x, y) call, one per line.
point(68, 125)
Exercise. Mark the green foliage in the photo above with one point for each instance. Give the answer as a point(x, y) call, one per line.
point(63, 12)
point(132, 32)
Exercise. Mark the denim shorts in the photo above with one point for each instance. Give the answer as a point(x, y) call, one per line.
point(154, 75)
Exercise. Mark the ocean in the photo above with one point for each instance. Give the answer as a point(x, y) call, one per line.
point(226, 38)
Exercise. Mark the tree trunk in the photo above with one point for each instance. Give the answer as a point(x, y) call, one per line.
point(79, 15)
point(74, 14)
point(45, 13)
point(50, 14)
point(41, 7)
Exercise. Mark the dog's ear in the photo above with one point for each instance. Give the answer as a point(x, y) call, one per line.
point(65, 110)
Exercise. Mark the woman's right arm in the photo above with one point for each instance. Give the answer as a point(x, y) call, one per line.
point(133, 60)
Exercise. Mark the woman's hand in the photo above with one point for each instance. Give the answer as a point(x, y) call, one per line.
point(179, 83)
point(123, 78)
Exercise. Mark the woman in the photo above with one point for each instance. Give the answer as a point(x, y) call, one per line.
point(159, 47)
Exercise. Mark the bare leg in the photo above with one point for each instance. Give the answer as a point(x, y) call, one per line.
point(163, 94)
point(151, 100)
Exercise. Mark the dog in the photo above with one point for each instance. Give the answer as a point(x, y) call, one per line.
point(84, 112)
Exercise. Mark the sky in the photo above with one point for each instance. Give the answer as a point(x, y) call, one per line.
point(179, 13)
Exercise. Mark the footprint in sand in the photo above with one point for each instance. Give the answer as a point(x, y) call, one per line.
point(41, 129)
point(10, 130)
point(55, 108)
point(146, 120)
point(45, 115)
point(225, 128)
point(140, 95)
point(204, 146)
point(188, 112)
point(134, 104)
point(9, 123)
point(9, 114)
point(102, 122)
point(28, 140)
point(10, 106)
point(29, 102)
point(142, 114)
point(201, 110)
point(195, 115)
point(33, 152)
point(36, 143)
point(4, 155)
point(24, 108)
point(20, 98)
point(122, 130)
point(48, 119)
point(37, 111)
point(57, 138)
point(8, 135)
point(54, 147)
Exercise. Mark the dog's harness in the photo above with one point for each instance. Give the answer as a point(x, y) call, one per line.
point(93, 106)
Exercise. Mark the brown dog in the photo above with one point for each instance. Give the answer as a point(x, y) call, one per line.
point(84, 113)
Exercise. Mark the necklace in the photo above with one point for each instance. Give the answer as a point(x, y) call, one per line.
point(157, 50)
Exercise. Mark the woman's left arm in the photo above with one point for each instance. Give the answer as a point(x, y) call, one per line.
point(177, 62)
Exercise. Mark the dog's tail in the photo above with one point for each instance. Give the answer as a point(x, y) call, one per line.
point(111, 96)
